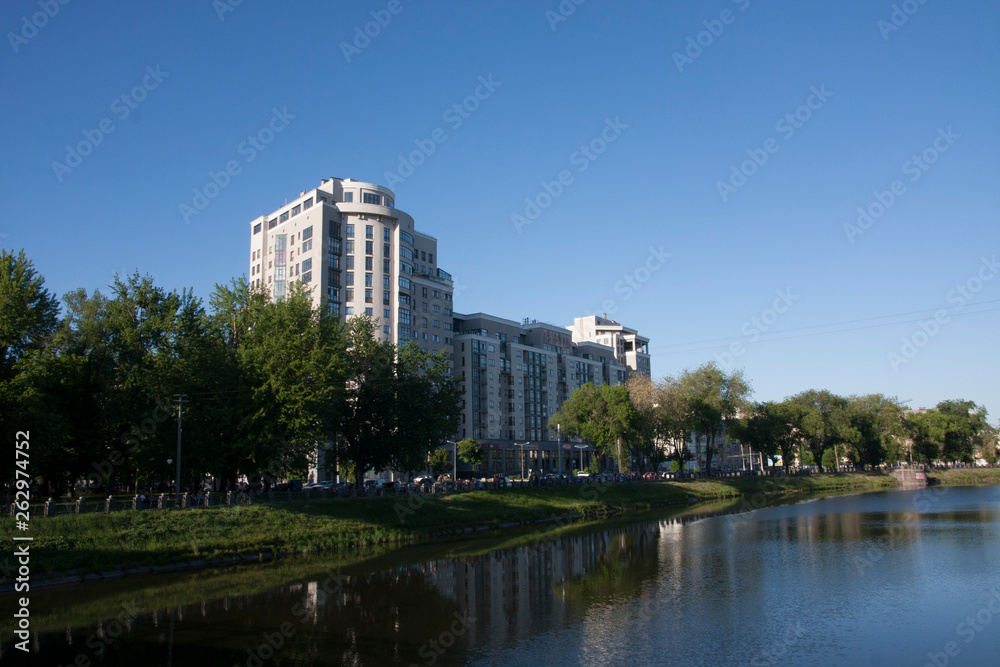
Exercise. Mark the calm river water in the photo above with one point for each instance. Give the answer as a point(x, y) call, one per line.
point(894, 578)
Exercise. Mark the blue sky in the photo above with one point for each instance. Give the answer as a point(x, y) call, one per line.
point(697, 161)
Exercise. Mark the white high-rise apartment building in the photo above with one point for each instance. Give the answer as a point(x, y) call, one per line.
point(358, 253)
point(631, 349)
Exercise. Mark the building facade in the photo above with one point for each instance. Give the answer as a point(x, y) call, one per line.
point(358, 254)
point(514, 377)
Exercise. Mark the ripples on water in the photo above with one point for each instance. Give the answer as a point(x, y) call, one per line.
point(873, 579)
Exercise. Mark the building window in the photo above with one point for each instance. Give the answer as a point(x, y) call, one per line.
point(307, 204)
point(430, 257)
point(306, 276)
point(447, 326)
point(436, 308)
point(424, 292)
point(423, 255)
point(368, 312)
point(386, 234)
point(307, 246)
point(348, 295)
point(368, 297)
point(307, 233)
point(349, 246)
point(368, 280)
point(406, 237)
point(369, 247)
point(349, 278)
point(272, 223)
point(349, 230)
point(368, 264)
point(437, 325)
point(283, 217)
point(406, 253)
point(349, 262)
point(296, 209)
point(256, 228)
point(389, 202)
point(436, 339)
point(349, 310)
point(371, 198)
point(385, 329)
point(386, 298)
point(348, 197)
point(369, 231)
point(437, 294)
point(386, 313)
point(307, 264)
point(385, 266)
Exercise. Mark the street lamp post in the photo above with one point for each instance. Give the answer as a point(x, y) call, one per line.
point(454, 465)
point(522, 445)
point(581, 448)
point(180, 414)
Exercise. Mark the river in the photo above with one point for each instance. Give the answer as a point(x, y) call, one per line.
point(889, 578)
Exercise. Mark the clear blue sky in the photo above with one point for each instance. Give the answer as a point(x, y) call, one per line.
point(886, 95)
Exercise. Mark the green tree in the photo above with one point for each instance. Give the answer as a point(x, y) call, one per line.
point(397, 407)
point(876, 426)
point(440, 461)
point(470, 451)
point(604, 416)
point(293, 358)
point(927, 431)
point(715, 398)
point(824, 422)
point(29, 316)
point(966, 427)
point(761, 427)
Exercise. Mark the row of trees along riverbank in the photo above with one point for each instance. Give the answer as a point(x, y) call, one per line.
point(648, 422)
point(94, 383)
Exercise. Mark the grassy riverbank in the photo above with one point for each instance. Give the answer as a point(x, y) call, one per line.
point(98, 543)
point(964, 476)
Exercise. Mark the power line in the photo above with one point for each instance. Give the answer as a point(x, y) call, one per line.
point(774, 336)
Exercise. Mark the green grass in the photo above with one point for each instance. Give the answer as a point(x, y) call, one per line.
point(126, 539)
point(964, 476)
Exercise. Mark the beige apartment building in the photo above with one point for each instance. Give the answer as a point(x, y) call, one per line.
point(515, 376)
point(359, 254)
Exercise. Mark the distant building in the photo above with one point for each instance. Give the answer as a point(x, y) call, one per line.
point(515, 376)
